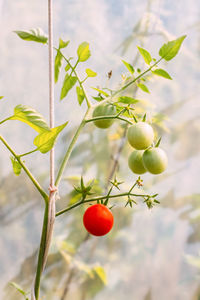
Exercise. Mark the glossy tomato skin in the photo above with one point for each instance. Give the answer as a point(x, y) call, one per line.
point(104, 110)
point(135, 162)
point(98, 219)
point(155, 160)
point(140, 135)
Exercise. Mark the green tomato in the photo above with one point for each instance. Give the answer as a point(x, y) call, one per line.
point(135, 162)
point(104, 110)
point(140, 135)
point(155, 160)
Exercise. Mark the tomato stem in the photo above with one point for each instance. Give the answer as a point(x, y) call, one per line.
point(98, 199)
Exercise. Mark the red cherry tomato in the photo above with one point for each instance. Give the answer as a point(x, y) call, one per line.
point(98, 219)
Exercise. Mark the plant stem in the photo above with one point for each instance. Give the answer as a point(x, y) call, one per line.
point(107, 118)
point(70, 148)
point(128, 84)
point(27, 153)
point(97, 199)
point(30, 175)
point(1, 122)
point(41, 253)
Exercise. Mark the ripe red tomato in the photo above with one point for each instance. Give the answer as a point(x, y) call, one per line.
point(98, 219)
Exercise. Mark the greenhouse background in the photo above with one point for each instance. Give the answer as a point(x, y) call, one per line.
point(150, 254)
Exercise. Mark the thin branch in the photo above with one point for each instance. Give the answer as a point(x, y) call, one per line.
point(70, 148)
point(98, 199)
point(107, 118)
point(27, 171)
point(1, 122)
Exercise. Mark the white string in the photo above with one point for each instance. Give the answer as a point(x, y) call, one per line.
point(51, 86)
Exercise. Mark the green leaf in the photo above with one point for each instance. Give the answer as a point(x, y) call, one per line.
point(19, 288)
point(16, 166)
point(127, 100)
point(145, 54)
point(68, 84)
point(128, 66)
point(80, 95)
point(34, 35)
point(170, 49)
point(63, 44)
point(162, 73)
point(100, 272)
point(100, 98)
point(90, 73)
point(83, 52)
point(67, 67)
point(101, 91)
point(30, 116)
point(46, 140)
point(57, 65)
point(1, 97)
point(143, 87)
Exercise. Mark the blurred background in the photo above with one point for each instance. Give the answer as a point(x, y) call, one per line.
point(150, 254)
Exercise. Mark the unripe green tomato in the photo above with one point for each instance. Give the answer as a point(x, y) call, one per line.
point(135, 162)
point(104, 110)
point(140, 135)
point(155, 160)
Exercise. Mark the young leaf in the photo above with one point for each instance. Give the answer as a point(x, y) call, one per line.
point(170, 49)
point(30, 116)
point(101, 91)
point(16, 166)
point(100, 98)
point(100, 272)
point(143, 87)
point(127, 100)
point(162, 73)
point(158, 144)
point(80, 95)
point(46, 140)
point(68, 84)
point(63, 44)
point(34, 35)
point(57, 65)
point(90, 73)
point(128, 66)
point(67, 67)
point(15, 285)
point(145, 54)
point(83, 52)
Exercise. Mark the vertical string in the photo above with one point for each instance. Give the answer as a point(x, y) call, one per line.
point(51, 86)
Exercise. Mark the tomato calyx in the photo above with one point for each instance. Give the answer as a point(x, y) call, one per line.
point(83, 189)
point(151, 201)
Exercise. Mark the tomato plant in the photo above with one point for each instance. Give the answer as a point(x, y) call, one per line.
point(140, 135)
point(155, 160)
point(135, 162)
point(104, 110)
point(111, 105)
point(98, 219)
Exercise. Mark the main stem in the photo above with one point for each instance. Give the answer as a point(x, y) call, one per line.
point(49, 213)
